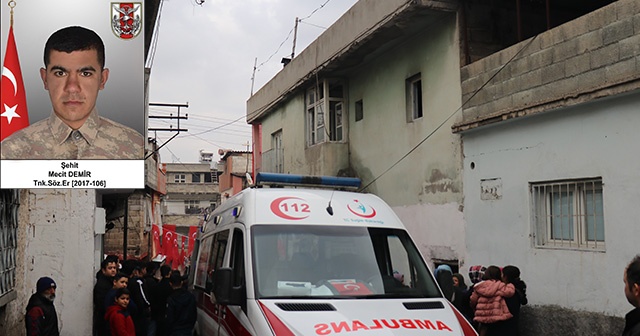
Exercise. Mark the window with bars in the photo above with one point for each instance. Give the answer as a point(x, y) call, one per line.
point(8, 244)
point(569, 214)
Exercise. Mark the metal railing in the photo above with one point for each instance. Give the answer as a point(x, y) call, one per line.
point(8, 243)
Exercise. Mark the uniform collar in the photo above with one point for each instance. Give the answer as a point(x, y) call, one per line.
point(61, 131)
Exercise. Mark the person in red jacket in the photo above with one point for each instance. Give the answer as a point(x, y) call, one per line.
point(488, 299)
point(118, 317)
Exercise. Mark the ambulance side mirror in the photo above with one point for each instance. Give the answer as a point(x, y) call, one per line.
point(223, 290)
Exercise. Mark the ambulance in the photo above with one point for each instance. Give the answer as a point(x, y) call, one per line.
point(300, 260)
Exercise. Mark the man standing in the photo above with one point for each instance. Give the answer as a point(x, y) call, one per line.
point(163, 291)
point(74, 73)
point(632, 292)
point(41, 318)
point(104, 282)
point(181, 309)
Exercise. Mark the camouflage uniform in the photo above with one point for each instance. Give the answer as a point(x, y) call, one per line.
point(52, 139)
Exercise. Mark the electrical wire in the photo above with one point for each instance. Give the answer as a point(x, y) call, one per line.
point(289, 35)
point(451, 115)
point(154, 40)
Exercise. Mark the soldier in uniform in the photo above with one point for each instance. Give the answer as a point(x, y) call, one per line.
point(74, 73)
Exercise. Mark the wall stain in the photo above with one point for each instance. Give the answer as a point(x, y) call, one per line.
point(439, 182)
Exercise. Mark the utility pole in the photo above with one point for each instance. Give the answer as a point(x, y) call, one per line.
point(253, 76)
point(170, 129)
point(295, 35)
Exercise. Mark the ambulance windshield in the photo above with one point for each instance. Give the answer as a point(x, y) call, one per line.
point(292, 261)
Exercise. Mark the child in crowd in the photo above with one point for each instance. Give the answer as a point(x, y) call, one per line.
point(488, 300)
point(511, 275)
point(118, 317)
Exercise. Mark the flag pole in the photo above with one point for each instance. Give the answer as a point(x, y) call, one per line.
point(11, 5)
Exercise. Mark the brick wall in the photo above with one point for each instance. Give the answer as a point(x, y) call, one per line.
point(137, 238)
point(594, 56)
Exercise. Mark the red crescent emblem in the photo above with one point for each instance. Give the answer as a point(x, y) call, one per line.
point(361, 210)
point(295, 211)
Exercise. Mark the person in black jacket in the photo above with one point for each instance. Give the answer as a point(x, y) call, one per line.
point(181, 309)
point(140, 297)
point(41, 318)
point(632, 292)
point(104, 282)
point(150, 285)
point(163, 292)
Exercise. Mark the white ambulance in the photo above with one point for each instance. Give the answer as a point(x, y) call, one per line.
point(299, 261)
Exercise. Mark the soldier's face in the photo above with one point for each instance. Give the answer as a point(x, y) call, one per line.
point(73, 81)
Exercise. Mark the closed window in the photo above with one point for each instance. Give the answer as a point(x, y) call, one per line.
point(359, 110)
point(195, 178)
point(180, 178)
point(210, 257)
point(414, 97)
point(276, 144)
point(569, 214)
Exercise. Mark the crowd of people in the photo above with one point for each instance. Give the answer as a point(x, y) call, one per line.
point(129, 300)
point(492, 302)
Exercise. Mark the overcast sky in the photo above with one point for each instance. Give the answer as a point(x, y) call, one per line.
point(205, 56)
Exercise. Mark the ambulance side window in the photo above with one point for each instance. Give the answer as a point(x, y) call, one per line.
point(203, 259)
point(237, 258)
point(218, 250)
point(218, 246)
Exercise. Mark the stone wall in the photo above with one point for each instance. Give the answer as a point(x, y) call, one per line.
point(558, 321)
point(594, 56)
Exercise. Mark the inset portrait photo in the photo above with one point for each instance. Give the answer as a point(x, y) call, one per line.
point(72, 80)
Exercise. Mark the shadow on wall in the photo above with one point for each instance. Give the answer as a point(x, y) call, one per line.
point(558, 321)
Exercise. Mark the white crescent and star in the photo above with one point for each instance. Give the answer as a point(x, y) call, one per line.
point(10, 111)
point(7, 73)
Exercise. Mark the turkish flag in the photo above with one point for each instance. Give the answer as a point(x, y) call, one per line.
point(182, 250)
point(193, 233)
point(176, 251)
point(168, 236)
point(13, 100)
point(156, 247)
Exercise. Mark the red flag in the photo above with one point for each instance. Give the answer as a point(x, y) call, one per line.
point(168, 235)
point(156, 248)
point(183, 252)
point(176, 252)
point(193, 233)
point(13, 100)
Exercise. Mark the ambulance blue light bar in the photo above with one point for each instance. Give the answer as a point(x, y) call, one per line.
point(307, 180)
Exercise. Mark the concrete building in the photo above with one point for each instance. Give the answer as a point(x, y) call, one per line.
point(440, 107)
point(234, 167)
point(549, 166)
point(192, 189)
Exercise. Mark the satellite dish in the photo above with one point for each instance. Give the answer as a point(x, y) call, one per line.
point(249, 179)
